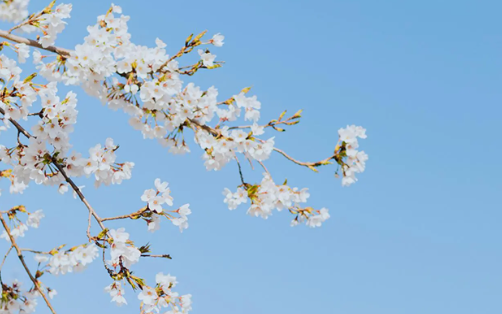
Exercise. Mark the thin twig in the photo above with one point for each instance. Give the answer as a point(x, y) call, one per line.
point(240, 169)
point(263, 166)
point(21, 258)
point(36, 252)
point(159, 256)
point(117, 217)
point(129, 216)
point(306, 164)
point(5, 257)
point(89, 220)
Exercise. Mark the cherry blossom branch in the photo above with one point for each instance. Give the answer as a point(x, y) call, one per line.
point(66, 52)
point(145, 75)
point(92, 212)
point(30, 42)
point(310, 165)
point(21, 258)
point(63, 172)
point(185, 49)
point(33, 17)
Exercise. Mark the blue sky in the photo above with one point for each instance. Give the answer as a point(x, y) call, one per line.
point(419, 233)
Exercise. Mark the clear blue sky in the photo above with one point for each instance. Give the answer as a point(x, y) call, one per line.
point(419, 233)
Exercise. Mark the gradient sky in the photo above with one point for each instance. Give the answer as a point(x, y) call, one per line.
point(419, 233)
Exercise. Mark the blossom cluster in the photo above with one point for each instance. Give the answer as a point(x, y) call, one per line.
point(155, 198)
point(116, 291)
point(123, 255)
point(220, 150)
point(14, 10)
point(16, 300)
point(74, 260)
point(57, 118)
point(356, 160)
point(19, 228)
point(268, 196)
point(10, 72)
point(22, 50)
point(153, 299)
point(49, 22)
point(34, 164)
point(162, 296)
point(123, 252)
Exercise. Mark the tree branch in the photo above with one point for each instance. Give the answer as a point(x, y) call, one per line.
point(30, 42)
point(21, 258)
